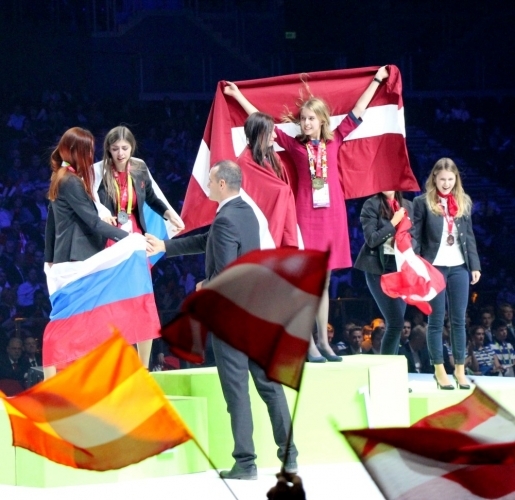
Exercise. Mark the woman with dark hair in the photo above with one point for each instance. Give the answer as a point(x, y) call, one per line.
point(379, 217)
point(264, 179)
point(126, 184)
point(74, 231)
point(444, 236)
point(125, 187)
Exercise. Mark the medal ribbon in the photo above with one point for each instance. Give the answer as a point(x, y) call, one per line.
point(318, 165)
point(450, 221)
point(126, 193)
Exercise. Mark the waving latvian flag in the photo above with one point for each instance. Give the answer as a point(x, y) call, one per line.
point(416, 280)
point(263, 304)
point(465, 451)
point(373, 157)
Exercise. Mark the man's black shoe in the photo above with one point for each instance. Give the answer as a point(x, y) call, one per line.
point(247, 473)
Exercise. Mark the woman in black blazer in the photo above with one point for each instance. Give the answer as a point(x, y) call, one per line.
point(74, 231)
point(379, 217)
point(444, 236)
point(125, 187)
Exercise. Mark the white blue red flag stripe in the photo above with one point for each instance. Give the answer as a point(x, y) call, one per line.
point(112, 288)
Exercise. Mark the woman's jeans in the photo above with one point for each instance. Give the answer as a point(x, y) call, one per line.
point(457, 293)
point(393, 312)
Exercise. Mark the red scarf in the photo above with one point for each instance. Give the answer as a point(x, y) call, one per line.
point(452, 206)
point(394, 204)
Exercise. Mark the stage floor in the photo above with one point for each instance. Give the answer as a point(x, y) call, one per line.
point(321, 482)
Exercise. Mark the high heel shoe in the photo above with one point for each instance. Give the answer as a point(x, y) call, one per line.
point(328, 356)
point(448, 387)
point(316, 359)
point(460, 386)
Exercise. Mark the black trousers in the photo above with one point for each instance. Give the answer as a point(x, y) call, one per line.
point(233, 369)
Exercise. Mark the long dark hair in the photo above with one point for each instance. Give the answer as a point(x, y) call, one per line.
point(258, 128)
point(385, 210)
point(76, 147)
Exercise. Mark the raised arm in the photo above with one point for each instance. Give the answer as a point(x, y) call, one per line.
point(366, 97)
point(232, 90)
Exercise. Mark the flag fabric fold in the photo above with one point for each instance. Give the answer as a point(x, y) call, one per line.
point(112, 286)
point(416, 280)
point(103, 412)
point(373, 158)
point(264, 304)
point(461, 452)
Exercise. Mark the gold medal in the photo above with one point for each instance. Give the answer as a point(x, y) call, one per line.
point(317, 183)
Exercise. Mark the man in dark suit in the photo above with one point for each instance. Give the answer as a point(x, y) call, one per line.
point(12, 364)
point(234, 232)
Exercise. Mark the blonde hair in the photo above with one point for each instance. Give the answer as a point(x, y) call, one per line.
point(321, 110)
point(462, 199)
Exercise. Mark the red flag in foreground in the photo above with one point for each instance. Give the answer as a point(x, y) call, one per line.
point(462, 452)
point(102, 412)
point(373, 158)
point(416, 281)
point(263, 304)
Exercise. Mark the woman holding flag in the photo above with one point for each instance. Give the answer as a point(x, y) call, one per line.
point(320, 204)
point(380, 216)
point(74, 231)
point(125, 187)
point(445, 237)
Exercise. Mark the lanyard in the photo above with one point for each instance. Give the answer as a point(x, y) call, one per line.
point(450, 221)
point(318, 166)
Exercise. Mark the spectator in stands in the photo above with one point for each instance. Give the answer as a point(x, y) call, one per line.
point(31, 354)
point(3, 280)
point(405, 333)
point(12, 364)
point(8, 309)
point(376, 339)
point(415, 351)
point(355, 341)
point(503, 349)
point(487, 318)
point(366, 331)
point(27, 289)
point(505, 313)
point(481, 359)
point(337, 346)
point(443, 235)
point(16, 119)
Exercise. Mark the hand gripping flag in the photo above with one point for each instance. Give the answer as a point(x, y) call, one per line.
point(373, 157)
point(465, 451)
point(112, 286)
point(103, 412)
point(263, 304)
point(416, 281)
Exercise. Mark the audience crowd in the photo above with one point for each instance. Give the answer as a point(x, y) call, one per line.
point(169, 133)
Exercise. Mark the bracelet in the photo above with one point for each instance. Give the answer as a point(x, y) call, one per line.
point(377, 80)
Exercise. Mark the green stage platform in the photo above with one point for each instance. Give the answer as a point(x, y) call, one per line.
point(361, 391)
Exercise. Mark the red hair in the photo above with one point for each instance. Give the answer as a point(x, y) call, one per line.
point(76, 147)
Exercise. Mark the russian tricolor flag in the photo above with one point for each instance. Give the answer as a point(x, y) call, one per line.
point(112, 288)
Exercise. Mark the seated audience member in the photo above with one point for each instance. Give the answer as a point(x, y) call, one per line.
point(481, 359)
point(503, 349)
point(355, 341)
point(378, 323)
point(366, 331)
point(416, 351)
point(487, 318)
point(506, 314)
point(376, 339)
point(31, 354)
point(12, 364)
point(405, 333)
point(337, 347)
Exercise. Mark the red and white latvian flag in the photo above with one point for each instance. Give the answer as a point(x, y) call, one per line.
point(466, 451)
point(373, 157)
point(263, 304)
point(416, 281)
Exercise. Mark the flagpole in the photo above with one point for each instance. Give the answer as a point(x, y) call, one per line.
point(213, 466)
point(294, 413)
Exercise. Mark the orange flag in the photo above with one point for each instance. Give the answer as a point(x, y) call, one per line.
point(103, 412)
